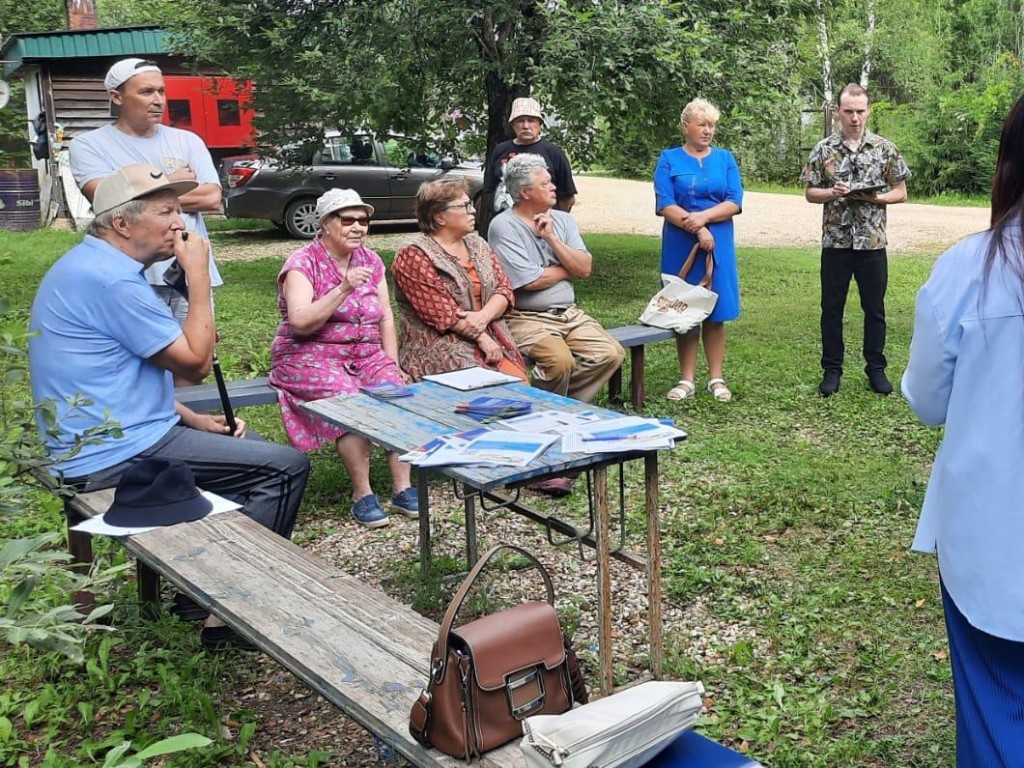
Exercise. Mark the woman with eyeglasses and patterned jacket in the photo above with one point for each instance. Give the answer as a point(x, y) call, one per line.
point(337, 334)
point(451, 290)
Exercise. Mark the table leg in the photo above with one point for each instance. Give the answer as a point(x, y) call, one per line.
point(604, 579)
point(423, 493)
point(651, 502)
point(469, 501)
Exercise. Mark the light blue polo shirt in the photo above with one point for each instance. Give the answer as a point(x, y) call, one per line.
point(98, 322)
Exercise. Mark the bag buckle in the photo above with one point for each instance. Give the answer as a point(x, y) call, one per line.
point(525, 693)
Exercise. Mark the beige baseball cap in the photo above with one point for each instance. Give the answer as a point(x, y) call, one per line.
point(125, 70)
point(527, 107)
point(130, 182)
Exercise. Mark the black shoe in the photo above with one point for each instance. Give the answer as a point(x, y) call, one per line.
point(224, 638)
point(879, 383)
point(187, 609)
point(829, 383)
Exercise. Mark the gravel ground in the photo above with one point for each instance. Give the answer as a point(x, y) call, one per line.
point(296, 721)
point(617, 206)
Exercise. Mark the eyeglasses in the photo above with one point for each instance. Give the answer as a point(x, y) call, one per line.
point(348, 221)
point(467, 207)
point(145, 63)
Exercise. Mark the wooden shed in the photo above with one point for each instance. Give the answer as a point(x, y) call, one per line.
point(63, 73)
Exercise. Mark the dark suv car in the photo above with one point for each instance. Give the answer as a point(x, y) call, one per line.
point(385, 171)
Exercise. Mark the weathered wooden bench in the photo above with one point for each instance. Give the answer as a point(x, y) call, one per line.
point(357, 647)
point(633, 338)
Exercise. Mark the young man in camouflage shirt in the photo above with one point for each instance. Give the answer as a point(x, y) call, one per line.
point(855, 174)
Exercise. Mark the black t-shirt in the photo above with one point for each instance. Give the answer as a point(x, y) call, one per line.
point(558, 164)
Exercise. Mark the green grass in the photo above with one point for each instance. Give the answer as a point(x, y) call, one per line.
point(786, 516)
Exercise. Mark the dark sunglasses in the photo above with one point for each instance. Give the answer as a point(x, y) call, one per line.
point(145, 63)
point(348, 221)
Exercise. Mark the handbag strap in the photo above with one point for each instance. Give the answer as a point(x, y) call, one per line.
point(453, 608)
point(709, 265)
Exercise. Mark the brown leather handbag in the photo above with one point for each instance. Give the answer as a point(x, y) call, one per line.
point(490, 674)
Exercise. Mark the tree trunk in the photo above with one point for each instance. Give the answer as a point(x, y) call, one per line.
point(826, 56)
point(869, 44)
point(500, 96)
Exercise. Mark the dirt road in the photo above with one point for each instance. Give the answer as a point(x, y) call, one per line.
point(627, 207)
point(613, 205)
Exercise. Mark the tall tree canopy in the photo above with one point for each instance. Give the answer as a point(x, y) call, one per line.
point(440, 68)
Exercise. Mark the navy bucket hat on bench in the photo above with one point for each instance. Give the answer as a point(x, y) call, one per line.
point(157, 492)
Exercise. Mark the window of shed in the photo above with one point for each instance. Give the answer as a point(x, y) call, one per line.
point(179, 113)
point(228, 112)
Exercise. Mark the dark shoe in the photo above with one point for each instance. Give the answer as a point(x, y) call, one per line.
point(878, 382)
point(367, 512)
point(829, 383)
point(217, 639)
point(406, 503)
point(187, 609)
point(554, 486)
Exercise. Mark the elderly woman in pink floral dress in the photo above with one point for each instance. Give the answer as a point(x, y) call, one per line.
point(337, 334)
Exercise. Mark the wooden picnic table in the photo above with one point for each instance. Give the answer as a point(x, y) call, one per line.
point(404, 424)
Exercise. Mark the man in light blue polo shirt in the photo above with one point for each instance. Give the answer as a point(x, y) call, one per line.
point(106, 346)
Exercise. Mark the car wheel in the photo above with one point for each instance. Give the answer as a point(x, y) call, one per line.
point(300, 219)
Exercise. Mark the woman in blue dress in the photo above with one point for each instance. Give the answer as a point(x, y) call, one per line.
point(697, 191)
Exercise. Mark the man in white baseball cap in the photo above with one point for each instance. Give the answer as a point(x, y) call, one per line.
point(527, 121)
point(136, 88)
point(104, 350)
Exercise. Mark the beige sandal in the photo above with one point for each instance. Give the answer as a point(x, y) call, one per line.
point(719, 390)
point(684, 390)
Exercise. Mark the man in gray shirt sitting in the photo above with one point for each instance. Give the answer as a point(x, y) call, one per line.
point(542, 253)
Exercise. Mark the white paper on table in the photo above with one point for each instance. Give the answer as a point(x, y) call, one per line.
point(573, 442)
point(549, 421)
point(97, 526)
point(626, 433)
point(504, 448)
point(471, 378)
point(444, 449)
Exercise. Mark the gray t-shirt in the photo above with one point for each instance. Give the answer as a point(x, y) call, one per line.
point(99, 153)
point(524, 256)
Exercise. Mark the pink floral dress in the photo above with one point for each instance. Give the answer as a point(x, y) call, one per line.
point(344, 355)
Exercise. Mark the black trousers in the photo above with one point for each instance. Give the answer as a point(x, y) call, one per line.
point(871, 271)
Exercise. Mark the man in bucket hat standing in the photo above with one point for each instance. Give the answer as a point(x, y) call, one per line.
point(527, 123)
point(136, 87)
point(104, 347)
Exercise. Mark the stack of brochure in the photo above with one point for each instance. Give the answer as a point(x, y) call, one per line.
point(481, 447)
point(386, 391)
point(488, 408)
point(627, 433)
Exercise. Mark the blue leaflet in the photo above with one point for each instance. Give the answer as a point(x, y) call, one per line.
point(386, 391)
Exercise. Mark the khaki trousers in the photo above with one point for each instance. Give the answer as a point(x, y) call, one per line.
point(572, 354)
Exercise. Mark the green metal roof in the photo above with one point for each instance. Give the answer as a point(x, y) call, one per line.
point(29, 47)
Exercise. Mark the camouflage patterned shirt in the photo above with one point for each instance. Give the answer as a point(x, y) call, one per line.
point(854, 223)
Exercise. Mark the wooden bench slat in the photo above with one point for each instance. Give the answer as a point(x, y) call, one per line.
point(633, 335)
point(205, 397)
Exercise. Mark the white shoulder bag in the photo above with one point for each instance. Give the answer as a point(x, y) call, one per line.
point(679, 305)
point(624, 730)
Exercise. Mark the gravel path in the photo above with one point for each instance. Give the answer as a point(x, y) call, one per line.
point(617, 206)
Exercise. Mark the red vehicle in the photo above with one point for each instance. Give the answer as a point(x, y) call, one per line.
point(218, 109)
